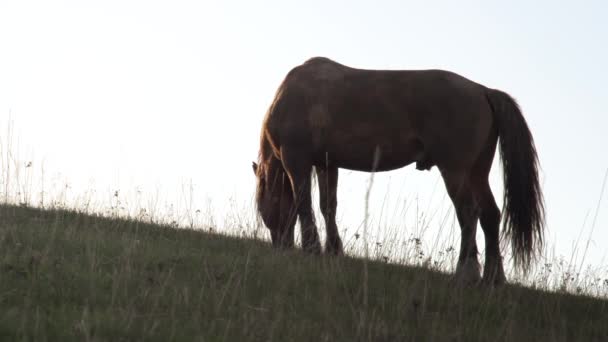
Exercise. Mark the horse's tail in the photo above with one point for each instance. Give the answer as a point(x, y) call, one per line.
point(523, 206)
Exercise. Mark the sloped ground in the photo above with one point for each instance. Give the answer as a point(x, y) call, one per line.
point(71, 276)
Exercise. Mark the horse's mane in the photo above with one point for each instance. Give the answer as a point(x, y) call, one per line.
point(264, 159)
point(265, 151)
point(266, 148)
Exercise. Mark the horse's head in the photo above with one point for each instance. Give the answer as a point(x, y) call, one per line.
point(275, 202)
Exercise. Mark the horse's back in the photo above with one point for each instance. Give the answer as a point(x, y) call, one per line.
point(408, 114)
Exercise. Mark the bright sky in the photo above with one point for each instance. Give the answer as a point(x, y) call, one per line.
point(158, 94)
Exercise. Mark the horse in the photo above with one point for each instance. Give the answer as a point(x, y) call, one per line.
point(332, 116)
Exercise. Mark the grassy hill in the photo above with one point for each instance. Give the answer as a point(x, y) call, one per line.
point(70, 276)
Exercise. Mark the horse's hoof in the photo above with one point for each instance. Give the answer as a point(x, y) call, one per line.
point(334, 252)
point(494, 281)
point(460, 280)
point(334, 249)
point(467, 276)
point(467, 273)
point(314, 248)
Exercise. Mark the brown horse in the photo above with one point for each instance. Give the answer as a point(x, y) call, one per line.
point(331, 116)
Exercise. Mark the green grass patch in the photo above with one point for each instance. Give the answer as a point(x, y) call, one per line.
point(66, 275)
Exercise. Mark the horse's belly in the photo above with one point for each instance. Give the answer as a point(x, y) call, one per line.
point(366, 166)
point(379, 156)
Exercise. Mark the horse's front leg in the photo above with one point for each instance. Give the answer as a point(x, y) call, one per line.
point(328, 188)
point(299, 170)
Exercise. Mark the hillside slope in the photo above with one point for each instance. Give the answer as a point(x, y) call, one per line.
point(71, 276)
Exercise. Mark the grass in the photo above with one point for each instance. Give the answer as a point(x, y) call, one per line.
point(66, 275)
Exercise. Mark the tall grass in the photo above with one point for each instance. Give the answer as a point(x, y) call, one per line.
point(66, 275)
point(127, 264)
point(384, 236)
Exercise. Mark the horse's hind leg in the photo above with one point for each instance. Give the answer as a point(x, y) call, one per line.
point(299, 170)
point(461, 193)
point(328, 186)
point(493, 272)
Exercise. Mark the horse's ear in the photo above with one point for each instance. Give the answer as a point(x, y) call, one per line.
point(255, 168)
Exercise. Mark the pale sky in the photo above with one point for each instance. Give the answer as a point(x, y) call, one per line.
point(155, 94)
